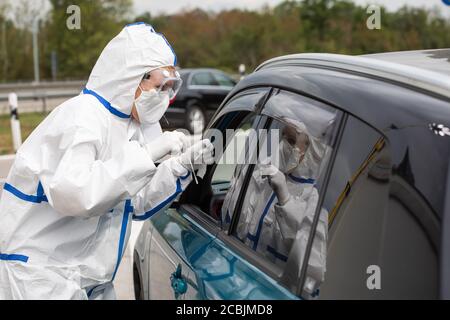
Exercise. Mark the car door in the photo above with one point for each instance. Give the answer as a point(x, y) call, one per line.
point(177, 240)
point(167, 271)
point(228, 267)
point(221, 273)
point(283, 111)
point(384, 237)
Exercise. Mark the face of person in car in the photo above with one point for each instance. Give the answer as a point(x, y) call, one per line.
point(293, 146)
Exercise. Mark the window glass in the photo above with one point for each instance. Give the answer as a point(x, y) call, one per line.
point(224, 80)
point(350, 158)
point(204, 79)
point(381, 231)
point(318, 117)
point(282, 195)
point(229, 135)
point(237, 147)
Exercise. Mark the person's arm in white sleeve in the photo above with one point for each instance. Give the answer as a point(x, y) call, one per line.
point(169, 180)
point(315, 273)
point(81, 185)
point(290, 217)
point(289, 211)
point(295, 219)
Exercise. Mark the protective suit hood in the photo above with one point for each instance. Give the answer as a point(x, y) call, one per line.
point(137, 49)
point(309, 166)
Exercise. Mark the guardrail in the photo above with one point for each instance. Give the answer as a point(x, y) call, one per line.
point(42, 92)
point(32, 90)
point(8, 87)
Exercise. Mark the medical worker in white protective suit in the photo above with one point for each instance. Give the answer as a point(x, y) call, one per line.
point(89, 169)
point(280, 205)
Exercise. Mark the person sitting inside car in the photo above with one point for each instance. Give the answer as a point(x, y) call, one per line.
point(279, 210)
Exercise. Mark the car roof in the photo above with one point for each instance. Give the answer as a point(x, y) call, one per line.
point(436, 60)
point(400, 101)
point(381, 93)
point(427, 71)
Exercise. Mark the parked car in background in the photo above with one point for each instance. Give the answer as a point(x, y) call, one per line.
point(200, 96)
point(384, 184)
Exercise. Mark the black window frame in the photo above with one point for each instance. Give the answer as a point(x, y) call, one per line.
point(242, 249)
point(205, 220)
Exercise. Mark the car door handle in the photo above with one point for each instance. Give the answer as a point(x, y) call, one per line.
point(178, 283)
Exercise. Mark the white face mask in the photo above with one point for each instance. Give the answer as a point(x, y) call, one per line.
point(289, 157)
point(151, 106)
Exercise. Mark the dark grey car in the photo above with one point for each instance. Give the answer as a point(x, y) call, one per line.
point(200, 96)
point(385, 186)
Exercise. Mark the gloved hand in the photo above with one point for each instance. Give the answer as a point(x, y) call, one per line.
point(170, 142)
point(277, 181)
point(199, 154)
point(189, 141)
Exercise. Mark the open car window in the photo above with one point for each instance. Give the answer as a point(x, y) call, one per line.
point(236, 151)
point(229, 135)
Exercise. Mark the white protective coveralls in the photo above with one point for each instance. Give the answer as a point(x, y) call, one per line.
point(81, 177)
point(281, 232)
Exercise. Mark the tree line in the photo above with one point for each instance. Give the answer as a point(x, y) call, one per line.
point(200, 38)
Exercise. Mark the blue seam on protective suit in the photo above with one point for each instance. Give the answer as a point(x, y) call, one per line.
point(173, 51)
point(40, 193)
point(255, 238)
point(128, 208)
point(106, 104)
point(251, 237)
point(227, 217)
point(126, 213)
point(200, 252)
point(13, 257)
point(302, 180)
point(276, 254)
point(186, 176)
point(40, 197)
point(316, 293)
point(138, 23)
point(154, 210)
point(90, 291)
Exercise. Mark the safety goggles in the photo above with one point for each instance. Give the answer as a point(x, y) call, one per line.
point(164, 81)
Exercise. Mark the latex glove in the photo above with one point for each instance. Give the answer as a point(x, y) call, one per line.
point(189, 141)
point(277, 181)
point(170, 142)
point(199, 154)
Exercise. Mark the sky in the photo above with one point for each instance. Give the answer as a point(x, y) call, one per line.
point(172, 6)
point(156, 7)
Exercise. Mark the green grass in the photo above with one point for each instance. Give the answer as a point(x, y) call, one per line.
point(28, 122)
